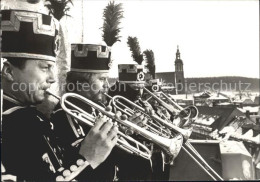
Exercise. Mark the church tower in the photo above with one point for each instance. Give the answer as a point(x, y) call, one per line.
point(179, 74)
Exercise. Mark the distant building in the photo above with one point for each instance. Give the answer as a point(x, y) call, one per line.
point(213, 118)
point(221, 123)
point(218, 99)
point(245, 101)
point(183, 99)
point(176, 78)
point(201, 98)
point(229, 124)
point(257, 100)
point(250, 110)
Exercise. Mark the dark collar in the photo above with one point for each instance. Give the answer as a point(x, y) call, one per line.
point(9, 102)
point(12, 99)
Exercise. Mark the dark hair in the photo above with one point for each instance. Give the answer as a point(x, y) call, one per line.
point(73, 77)
point(17, 62)
point(77, 77)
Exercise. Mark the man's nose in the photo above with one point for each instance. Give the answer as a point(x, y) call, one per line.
point(106, 84)
point(51, 78)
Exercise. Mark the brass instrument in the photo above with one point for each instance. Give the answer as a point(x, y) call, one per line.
point(187, 147)
point(191, 113)
point(152, 126)
point(115, 102)
point(170, 146)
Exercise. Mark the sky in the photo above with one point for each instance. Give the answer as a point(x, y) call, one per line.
point(215, 38)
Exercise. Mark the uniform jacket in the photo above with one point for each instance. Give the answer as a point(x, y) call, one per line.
point(29, 148)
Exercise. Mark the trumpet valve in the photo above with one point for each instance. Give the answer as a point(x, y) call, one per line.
point(108, 108)
point(123, 117)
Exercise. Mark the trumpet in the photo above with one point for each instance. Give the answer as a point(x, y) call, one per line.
point(152, 126)
point(115, 101)
point(171, 146)
point(192, 109)
point(186, 147)
point(190, 112)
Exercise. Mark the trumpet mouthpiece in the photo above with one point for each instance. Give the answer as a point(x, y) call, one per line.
point(47, 91)
point(103, 91)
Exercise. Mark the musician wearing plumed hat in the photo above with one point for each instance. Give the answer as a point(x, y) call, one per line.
point(90, 64)
point(29, 148)
point(131, 78)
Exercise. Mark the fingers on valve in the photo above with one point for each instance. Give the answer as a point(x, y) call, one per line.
point(118, 114)
point(107, 126)
point(100, 120)
point(112, 134)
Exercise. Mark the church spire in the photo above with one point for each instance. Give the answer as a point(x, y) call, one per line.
point(179, 73)
point(178, 54)
point(178, 61)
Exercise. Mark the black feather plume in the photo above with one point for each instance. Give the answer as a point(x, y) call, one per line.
point(149, 55)
point(58, 8)
point(112, 15)
point(134, 46)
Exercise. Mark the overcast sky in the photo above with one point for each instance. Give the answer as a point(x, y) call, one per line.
point(216, 38)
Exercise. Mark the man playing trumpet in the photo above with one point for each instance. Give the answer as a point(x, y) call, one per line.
point(87, 77)
point(130, 85)
point(29, 146)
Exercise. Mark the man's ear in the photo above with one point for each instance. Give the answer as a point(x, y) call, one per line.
point(7, 71)
point(88, 76)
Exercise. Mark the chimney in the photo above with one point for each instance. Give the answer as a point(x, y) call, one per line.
point(247, 114)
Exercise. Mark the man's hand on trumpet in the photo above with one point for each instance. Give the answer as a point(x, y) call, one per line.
point(99, 142)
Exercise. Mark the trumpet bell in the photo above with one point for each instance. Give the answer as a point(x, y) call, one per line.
point(175, 146)
point(188, 116)
point(194, 112)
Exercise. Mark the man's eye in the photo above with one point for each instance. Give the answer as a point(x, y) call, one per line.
point(45, 68)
